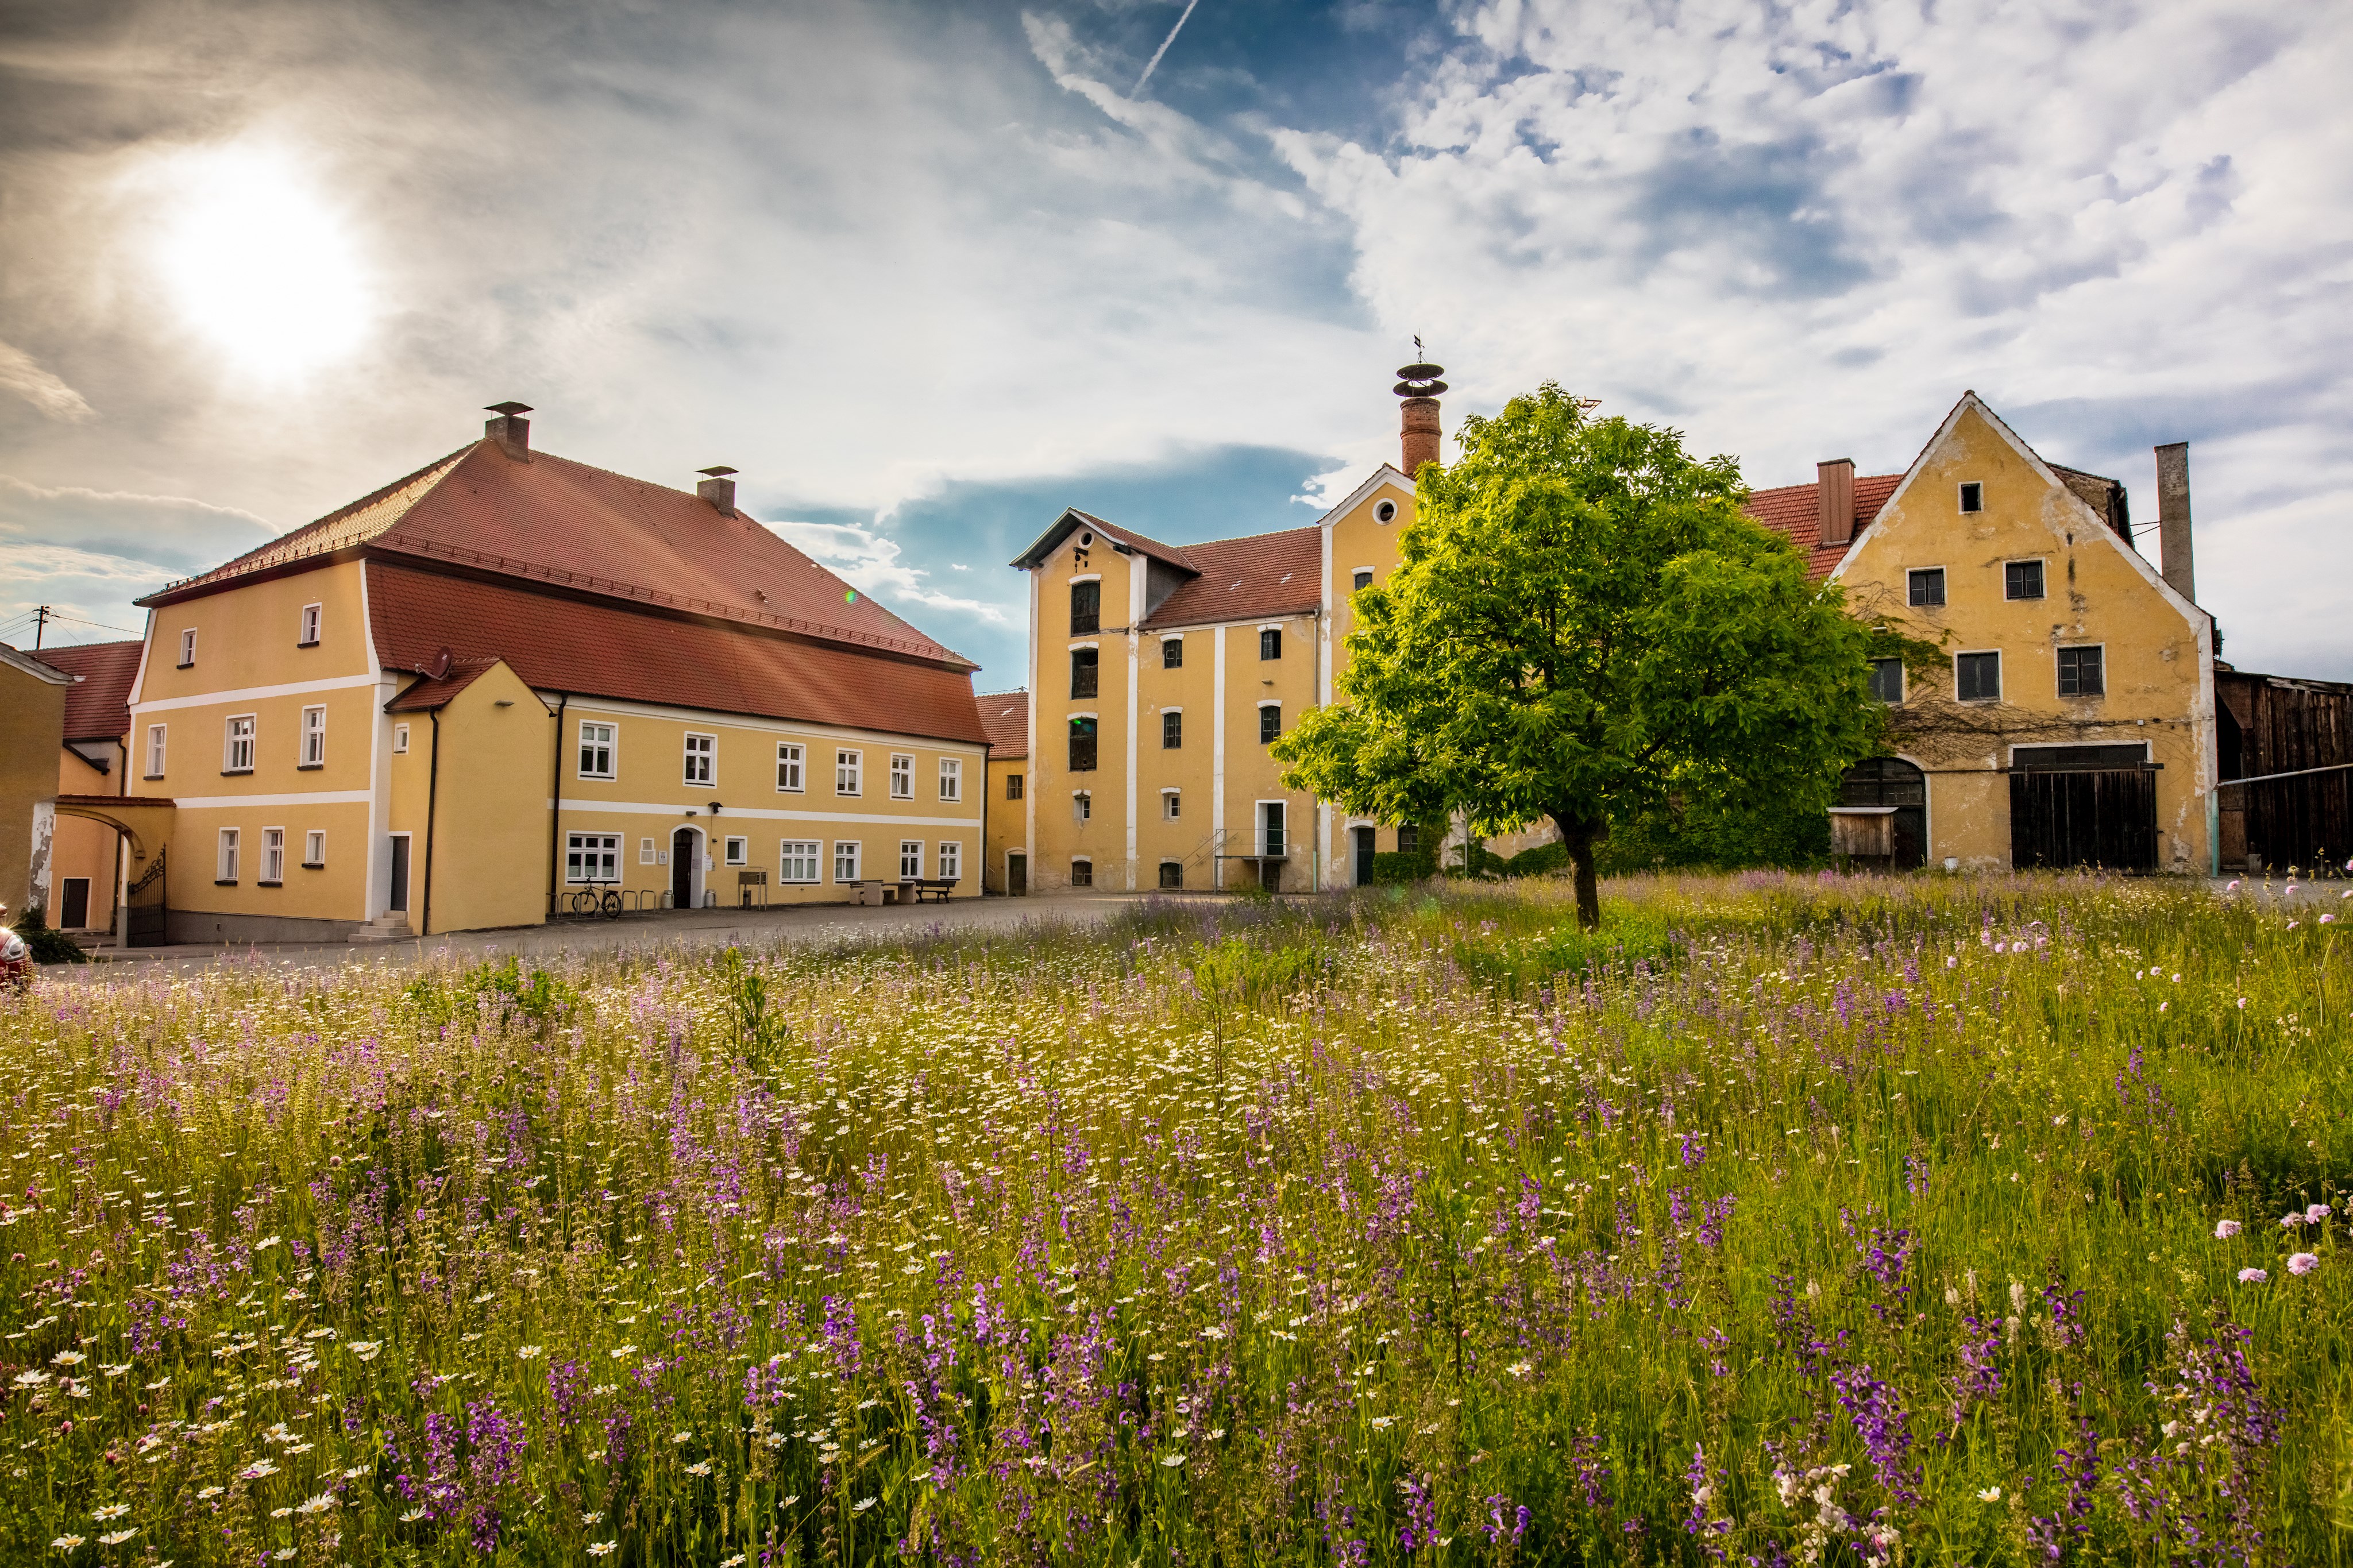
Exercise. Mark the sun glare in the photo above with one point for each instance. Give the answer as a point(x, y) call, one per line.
point(257, 262)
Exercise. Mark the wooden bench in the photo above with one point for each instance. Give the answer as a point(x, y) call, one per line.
point(936, 889)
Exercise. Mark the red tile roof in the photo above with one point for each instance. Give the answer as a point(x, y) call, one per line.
point(98, 707)
point(1794, 512)
point(1072, 518)
point(554, 521)
point(428, 694)
point(1240, 579)
point(593, 646)
point(1005, 716)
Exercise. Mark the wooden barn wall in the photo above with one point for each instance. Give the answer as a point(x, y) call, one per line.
point(2272, 725)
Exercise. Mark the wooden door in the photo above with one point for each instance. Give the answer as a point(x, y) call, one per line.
point(1016, 875)
point(2105, 818)
point(682, 869)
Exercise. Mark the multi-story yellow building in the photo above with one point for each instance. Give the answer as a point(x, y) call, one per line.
point(510, 685)
point(1161, 674)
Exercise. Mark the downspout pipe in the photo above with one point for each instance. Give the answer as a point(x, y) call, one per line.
point(432, 800)
point(555, 800)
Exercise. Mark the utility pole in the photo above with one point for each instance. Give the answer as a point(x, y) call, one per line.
point(41, 617)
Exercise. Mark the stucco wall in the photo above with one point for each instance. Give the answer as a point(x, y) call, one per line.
point(32, 730)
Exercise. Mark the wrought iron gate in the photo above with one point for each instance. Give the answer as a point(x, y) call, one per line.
point(146, 908)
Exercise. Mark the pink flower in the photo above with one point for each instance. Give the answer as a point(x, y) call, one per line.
point(2233, 887)
point(2302, 1263)
point(2289, 1221)
point(2225, 1229)
point(2252, 1276)
point(2316, 1213)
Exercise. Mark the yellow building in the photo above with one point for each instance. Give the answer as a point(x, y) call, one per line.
point(88, 859)
point(1006, 867)
point(1161, 674)
point(32, 718)
point(2073, 721)
point(510, 685)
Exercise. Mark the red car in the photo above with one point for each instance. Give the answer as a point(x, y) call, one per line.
point(15, 958)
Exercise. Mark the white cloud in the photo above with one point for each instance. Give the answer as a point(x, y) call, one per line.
point(873, 563)
point(24, 375)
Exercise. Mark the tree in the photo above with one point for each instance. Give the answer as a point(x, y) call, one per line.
point(1583, 624)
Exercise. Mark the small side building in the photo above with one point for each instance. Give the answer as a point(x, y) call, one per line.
point(1004, 867)
point(32, 720)
point(88, 859)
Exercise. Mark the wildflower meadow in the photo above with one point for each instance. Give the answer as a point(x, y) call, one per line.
point(1786, 1219)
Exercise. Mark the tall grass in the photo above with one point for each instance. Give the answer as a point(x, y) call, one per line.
point(1784, 1219)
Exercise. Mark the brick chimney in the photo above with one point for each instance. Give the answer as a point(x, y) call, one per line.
point(717, 487)
point(1419, 386)
point(2173, 518)
point(1834, 493)
point(510, 430)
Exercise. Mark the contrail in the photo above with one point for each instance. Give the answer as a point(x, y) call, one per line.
point(1154, 61)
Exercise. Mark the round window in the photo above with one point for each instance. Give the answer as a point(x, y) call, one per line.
point(1385, 511)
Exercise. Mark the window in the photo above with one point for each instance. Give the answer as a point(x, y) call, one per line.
point(1409, 839)
point(2081, 673)
point(314, 738)
point(1083, 745)
point(1172, 653)
point(1927, 585)
point(1977, 677)
point(273, 857)
point(1083, 873)
point(845, 860)
point(188, 648)
point(1172, 730)
point(1083, 805)
point(1270, 828)
point(903, 777)
point(2022, 579)
point(1172, 873)
point(739, 851)
point(1270, 721)
point(592, 857)
point(1887, 680)
point(848, 772)
point(911, 859)
point(645, 851)
point(800, 858)
point(1385, 511)
point(1270, 642)
point(1086, 608)
point(1082, 672)
point(315, 849)
point(596, 751)
point(1973, 497)
point(1013, 786)
point(702, 758)
point(1172, 805)
point(950, 778)
point(225, 865)
point(309, 637)
point(1364, 580)
point(155, 751)
point(951, 860)
point(400, 738)
point(237, 752)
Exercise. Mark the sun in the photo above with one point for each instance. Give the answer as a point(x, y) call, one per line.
point(258, 261)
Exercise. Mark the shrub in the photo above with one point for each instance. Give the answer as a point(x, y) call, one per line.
point(47, 946)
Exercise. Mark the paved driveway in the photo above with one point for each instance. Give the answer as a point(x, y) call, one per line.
point(667, 930)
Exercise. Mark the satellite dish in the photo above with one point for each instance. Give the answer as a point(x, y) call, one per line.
point(439, 667)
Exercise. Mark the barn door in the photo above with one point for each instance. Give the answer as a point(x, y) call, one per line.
point(2102, 816)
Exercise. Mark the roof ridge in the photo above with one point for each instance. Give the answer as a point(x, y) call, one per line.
point(1246, 538)
point(347, 510)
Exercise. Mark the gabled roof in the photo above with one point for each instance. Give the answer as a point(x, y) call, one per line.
point(1794, 512)
point(34, 665)
point(99, 707)
point(433, 692)
point(1073, 519)
point(593, 532)
point(1241, 579)
point(1005, 716)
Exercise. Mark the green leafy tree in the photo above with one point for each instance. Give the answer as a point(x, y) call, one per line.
point(1584, 622)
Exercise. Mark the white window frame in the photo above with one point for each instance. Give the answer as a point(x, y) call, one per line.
point(400, 740)
point(608, 743)
point(848, 772)
point(911, 852)
point(846, 853)
point(586, 855)
point(188, 648)
point(315, 737)
point(1902, 680)
point(703, 748)
point(2079, 647)
point(1083, 805)
point(792, 768)
point(225, 856)
point(1177, 642)
point(952, 779)
point(312, 616)
point(902, 776)
point(158, 736)
point(1265, 703)
point(738, 850)
point(2000, 676)
point(1961, 489)
point(951, 860)
point(800, 855)
point(1945, 572)
point(1172, 804)
point(1089, 862)
point(1258, 825)
point(2043, 579)
point(273, 858)
point(315, 849)
point(234, 746)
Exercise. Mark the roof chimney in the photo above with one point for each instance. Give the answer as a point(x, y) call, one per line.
point(2173, 518)
point(1419, 386)
point(717, 487)
point(1834, 493)
point(510, 430)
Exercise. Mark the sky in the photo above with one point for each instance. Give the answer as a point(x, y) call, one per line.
point(927, 274)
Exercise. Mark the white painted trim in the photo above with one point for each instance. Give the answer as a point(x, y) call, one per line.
point(1269, 701)
point(1138, 572)
point(2059, 647)
point(788, 729)
point(1217, 756)
point(1386, 474)
point(1084, 576)
point(2147, 747)
point(322, 797)
point(254, 694)
point(1030, 721)
point(575, 807)
point(1087, 642)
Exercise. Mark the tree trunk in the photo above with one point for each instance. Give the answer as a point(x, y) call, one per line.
point(1579, 833)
